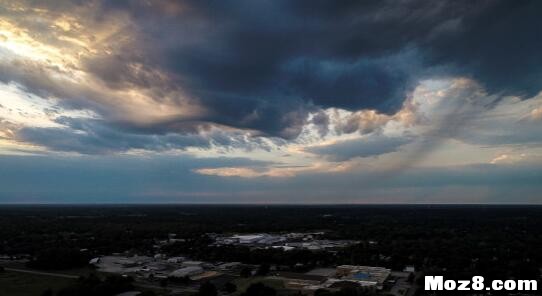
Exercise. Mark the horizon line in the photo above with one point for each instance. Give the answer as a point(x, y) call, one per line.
point(261, 204)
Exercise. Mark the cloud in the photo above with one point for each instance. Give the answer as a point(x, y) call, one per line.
point(95, 136)
point(274, 170)
point(368, 146)
point(321, 121)
point(232, 172)
point(509, 122)
point(509, 158)
point(494, 44)
point(7, 129)
point(331, 56)
point(189, 63)
point(364, 122)
point(536, 114)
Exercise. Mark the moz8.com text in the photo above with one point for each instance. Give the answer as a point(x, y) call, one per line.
point(477, 283)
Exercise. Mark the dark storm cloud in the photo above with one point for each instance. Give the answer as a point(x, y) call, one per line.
point(250, 52)
point(498, 44)
point(267, 57)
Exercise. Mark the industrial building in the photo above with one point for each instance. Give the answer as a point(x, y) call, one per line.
point(363, 275)
point(186, 272)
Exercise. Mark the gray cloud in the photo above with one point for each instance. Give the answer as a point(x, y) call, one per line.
point(368, 146)
point(94, 136)
point(321, 121)
point(495, 131)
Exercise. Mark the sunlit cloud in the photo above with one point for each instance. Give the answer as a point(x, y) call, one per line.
point(276, 171)
point(536, 114)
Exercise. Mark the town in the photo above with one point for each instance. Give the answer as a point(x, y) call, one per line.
point(259, 251)
point(181, 274)
point(184, 275)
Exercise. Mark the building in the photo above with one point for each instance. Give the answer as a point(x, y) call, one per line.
point(363, 275)
point(248, 239)
point(192, 263)
point(327, 272)
point(175, 259)
point(284, 248)
point(230, 266)
point(186, 271)
point(271, 239)
point(94, 261)
point(121, 264)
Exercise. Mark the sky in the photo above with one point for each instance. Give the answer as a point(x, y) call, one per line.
point(270, 102)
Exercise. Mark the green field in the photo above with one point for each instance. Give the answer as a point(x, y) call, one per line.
point(23, 284)
point(243, 283)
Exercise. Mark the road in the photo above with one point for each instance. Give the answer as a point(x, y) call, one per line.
point(66, 276)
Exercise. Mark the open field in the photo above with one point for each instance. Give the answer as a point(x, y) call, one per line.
point(243, 283)
point(24, 284)
point(20, 265)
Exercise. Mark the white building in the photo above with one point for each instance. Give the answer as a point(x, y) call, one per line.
point(192, 263)
point(94, 261)
point(175, 259)
point(186, 271)
point(249, 238)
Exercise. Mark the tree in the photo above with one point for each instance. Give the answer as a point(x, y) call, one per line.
point(263, 270)
point(245, 272)
point(322, 292)
point(229, 288)
point(348, 291)
point(59, 258)
point(259, 289)
point(411, 278)
point(207, 289)
point(164, 283)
